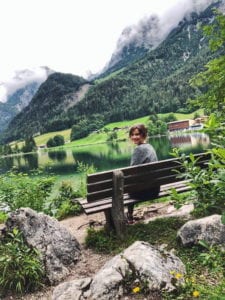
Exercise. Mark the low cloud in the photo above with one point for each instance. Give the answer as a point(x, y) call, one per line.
point(150, 31)
point(22, 78)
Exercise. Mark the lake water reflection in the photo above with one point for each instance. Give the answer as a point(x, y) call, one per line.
point(102, 156)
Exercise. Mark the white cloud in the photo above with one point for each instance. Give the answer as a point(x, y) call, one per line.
point(3, 94)
point(19, 79)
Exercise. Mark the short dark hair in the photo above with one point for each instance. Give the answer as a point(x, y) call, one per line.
point(141, 128)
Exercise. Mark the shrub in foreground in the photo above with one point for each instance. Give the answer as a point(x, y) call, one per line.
point(20, 267)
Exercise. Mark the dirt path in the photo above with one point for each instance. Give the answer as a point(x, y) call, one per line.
point(78, 225)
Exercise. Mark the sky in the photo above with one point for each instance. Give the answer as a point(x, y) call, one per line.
point(69, 36)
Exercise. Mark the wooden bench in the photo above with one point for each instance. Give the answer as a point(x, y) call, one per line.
point(108, 191)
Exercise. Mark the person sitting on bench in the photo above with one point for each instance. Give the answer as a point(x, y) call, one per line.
point(143, 153)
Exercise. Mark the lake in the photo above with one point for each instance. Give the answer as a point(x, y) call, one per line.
point(105, 156)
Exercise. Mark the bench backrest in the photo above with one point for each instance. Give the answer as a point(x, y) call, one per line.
point(138, 178)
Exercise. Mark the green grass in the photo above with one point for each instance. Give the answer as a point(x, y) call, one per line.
point(111, 75)
point(43, 138)
point(180, 116)
point(129, 123)
point(93, 138)
point(157, 232)
point(101, 137)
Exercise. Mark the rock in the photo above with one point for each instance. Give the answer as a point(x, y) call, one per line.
point(107, 283)
point(140, 264)
point(210, 229)
point(71, 290)
point(145, 262)
point(58, 248)
point(169, 211)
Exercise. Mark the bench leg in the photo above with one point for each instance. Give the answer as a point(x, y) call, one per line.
point(117, 210)
point(115, 221)
point(109, 221)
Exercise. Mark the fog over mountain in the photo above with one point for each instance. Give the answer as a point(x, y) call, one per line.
point(150, 31)
point(18, 90)
point(22, 78)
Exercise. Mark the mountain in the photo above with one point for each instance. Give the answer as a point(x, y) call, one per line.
point(18, 92)
point(54, 96)
point(152, 77)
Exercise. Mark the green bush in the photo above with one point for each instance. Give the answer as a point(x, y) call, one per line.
point(84, 170)
point(20, 190)
point(208, 183)
point(64, 204)
point(20, 266)
point(67, 209)
point(157, 127)
point(57, 140)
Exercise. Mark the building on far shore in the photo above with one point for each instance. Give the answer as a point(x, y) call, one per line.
point(188, 124)
point(180, 125)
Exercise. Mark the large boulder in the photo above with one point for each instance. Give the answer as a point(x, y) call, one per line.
point(210, 229)
point(71, 290)
point(139, 265)
point(58, 248)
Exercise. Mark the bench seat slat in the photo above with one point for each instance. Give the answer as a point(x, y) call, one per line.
point(98, 186)
point(143, 179)
point(108, 204)
point(137, 186)
point(163, 188)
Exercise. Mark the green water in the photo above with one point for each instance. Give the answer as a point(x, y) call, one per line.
point(64, 163)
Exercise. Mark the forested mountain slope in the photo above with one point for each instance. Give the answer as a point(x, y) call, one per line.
point(53, 98)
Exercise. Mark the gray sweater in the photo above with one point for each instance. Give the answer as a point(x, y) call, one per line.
point(143, 154)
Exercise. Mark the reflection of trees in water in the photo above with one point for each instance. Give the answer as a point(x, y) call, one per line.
point(23, 163)
point(60, 169)
point(57, 155)
point(6, 164)
point(102, 162)
point(114, 148)
point(31, 160)
point(162, 147)
point(18, 162)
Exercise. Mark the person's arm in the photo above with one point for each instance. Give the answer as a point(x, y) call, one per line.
point(137, 157)
point(153, 155)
